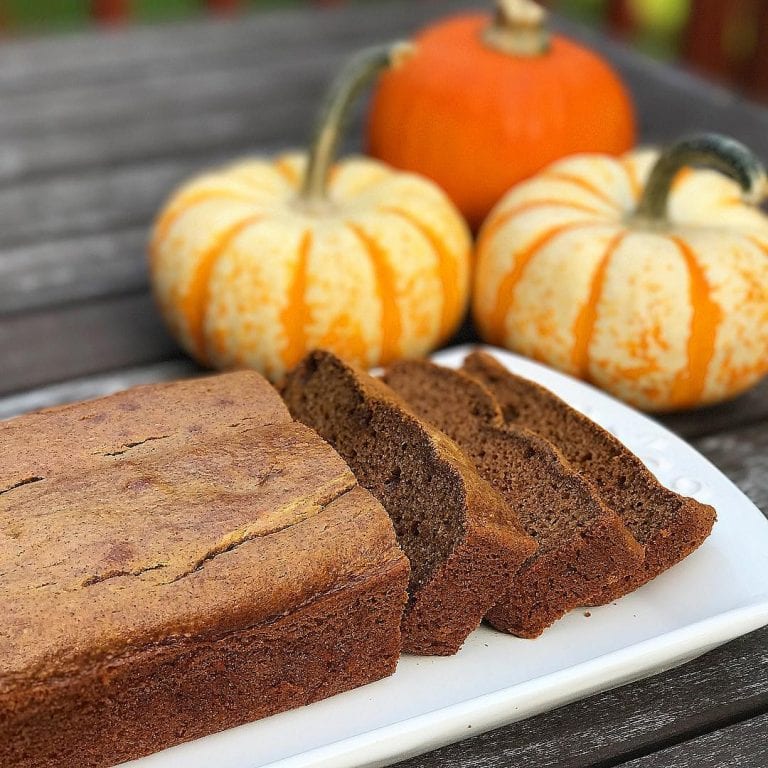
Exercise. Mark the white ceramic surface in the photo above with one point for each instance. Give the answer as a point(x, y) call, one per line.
point(718, 593)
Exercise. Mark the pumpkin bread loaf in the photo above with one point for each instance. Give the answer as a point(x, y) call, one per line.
point(52, 440)
point(669, 526)
point(158, 590)
point(583, 546)
point(463, 543)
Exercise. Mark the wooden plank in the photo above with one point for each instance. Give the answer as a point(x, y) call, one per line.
point(61, 272)
point(740, 746)
point(96, 386)
point(157, 136)
point(47, 64)
point(189, 91)
point(52, 63)
point(742, 454)
point(73, 341)
point(747, 408)
point(57, 208)
point(81, 184)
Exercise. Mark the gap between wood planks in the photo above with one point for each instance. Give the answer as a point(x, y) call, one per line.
point(744, 745)
point(744, 714)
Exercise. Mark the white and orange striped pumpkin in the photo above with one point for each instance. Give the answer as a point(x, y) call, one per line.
point(649, 282)
point(257, 263)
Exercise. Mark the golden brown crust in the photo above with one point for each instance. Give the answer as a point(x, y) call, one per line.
point(131, 572)
point(41, 443)
point(136, 706)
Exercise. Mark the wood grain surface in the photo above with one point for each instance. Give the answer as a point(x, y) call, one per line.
point(95, 130)
point(739, 746)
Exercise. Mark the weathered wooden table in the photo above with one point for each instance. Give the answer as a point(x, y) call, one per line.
point(96, 129)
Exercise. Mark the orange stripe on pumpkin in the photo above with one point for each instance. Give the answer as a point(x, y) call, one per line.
point(447, 267)
point(295, 316)
point(759, 244)
point(391, 323)
point(584, 325)
point(283, 166)
point(680, 178)
point(634, 182)
point(177, 209)
point(706, 316)
point(194, 304)
point(493, 322)
point(587, 186)
point(495, 223)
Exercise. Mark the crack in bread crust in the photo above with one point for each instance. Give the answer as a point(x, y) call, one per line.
point(301, 511)
point(21, 483)
point(127, 446)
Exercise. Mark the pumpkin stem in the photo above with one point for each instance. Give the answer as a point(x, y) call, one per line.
point(356, 74)
point(711, 150)
point(519, 28)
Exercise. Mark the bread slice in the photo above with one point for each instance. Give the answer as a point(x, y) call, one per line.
point(583, 546)
point(457, 532)
point(669, 526)
point(157, 592)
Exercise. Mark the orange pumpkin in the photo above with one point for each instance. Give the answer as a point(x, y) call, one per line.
point(653, 290)
point(486, 103)
point(256, 263)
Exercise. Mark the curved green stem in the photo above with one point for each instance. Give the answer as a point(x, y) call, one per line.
point(357, 73)
point(710, 150)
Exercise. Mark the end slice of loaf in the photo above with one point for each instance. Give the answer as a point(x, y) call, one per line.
point(463, 544)
point(669, 526)
point(583, 546)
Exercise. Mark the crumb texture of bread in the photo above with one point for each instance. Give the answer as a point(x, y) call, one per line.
point(158, 590)
point(668, 526)
point(458, 534)
point(582, 545)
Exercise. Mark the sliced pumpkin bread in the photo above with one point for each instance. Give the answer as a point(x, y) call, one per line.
point(463, 543)
point(583, 545)
point(668, 525)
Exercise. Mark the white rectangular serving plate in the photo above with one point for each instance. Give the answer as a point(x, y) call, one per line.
point(715, 595)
